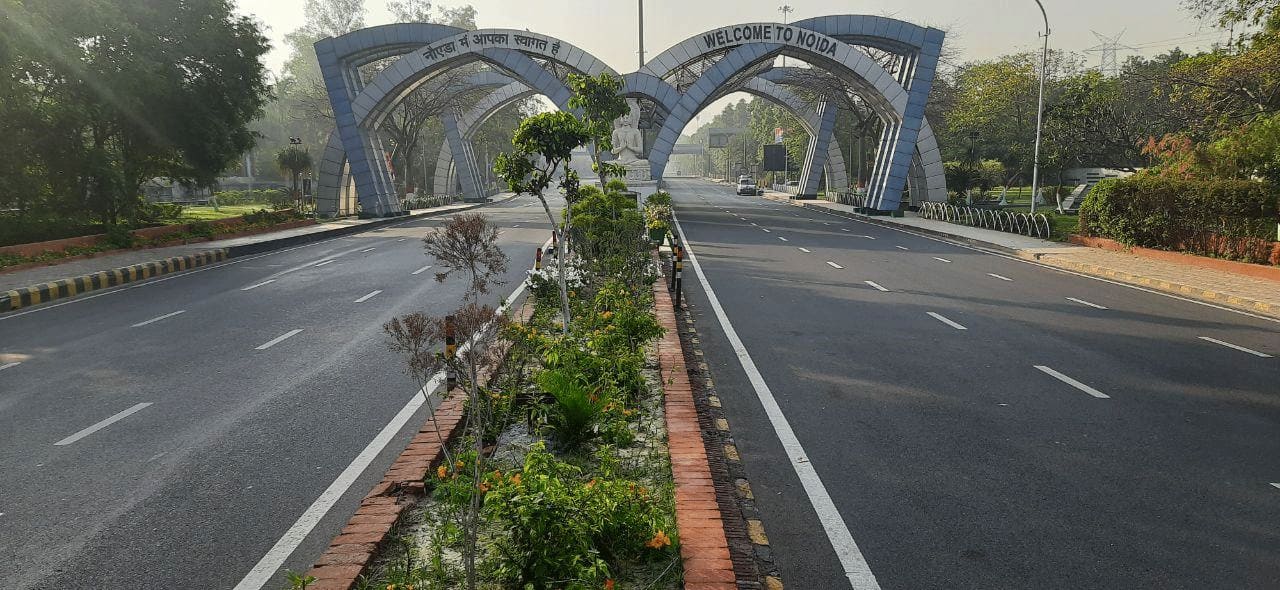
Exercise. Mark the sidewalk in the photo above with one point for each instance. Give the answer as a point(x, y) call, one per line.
point(1255, 295)
point(132, 265)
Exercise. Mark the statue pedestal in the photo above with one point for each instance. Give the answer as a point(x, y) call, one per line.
point(638, 171)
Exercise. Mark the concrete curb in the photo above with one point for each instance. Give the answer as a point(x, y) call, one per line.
point(704, 545)
point(1209, 295)
point(70, 287)
point(64, 288)
point(1048, 259)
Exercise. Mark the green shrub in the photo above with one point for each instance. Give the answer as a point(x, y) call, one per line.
point(615, 185)
point(201, 229)
point(119, 236)
point(575, 413)
point(563, 532)
point(1230, 218)
point(659, 198)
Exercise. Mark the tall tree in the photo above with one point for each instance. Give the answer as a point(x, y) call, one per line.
point(130, 91)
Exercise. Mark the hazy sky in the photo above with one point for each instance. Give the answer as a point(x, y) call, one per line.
point(977, 28)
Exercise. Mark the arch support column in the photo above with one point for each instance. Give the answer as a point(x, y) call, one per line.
point(815, 159)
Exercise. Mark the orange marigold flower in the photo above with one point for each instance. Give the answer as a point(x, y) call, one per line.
point(441, 472)
point(608, 584)
point(591, 484)
point(606, 315)
point(659, 540)
point(484, 486)
point(515, 479)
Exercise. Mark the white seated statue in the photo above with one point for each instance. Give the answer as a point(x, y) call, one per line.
point(628, 143)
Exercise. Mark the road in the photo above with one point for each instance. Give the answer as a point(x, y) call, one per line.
point(957, 419)
point(168, 433)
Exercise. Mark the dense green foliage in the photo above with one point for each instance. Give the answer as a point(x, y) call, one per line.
point(1230, 218)
point(98, 97)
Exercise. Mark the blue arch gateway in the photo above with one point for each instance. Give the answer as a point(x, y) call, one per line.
point(883, 64)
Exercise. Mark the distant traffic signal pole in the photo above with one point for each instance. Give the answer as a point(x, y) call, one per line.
point(1044, 71)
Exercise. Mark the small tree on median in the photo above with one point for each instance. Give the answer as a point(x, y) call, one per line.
point(467, 244)
point(544, 144)
point(600, 104)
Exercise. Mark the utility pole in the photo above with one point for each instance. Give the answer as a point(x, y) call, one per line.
point(1044, 71)
point(642, 34)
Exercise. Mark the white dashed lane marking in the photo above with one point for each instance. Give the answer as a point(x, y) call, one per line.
point(833, 265)
point(1003, 278)
point(369, 296)
point(876, 286)
point(1236, 347)
point(943, 319)
point(942, 260)
point(279, 339)
point(255, 286)
point(1083, 302)
point(1072, 382)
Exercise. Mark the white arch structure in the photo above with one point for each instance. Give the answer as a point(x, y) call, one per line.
point(680, 82)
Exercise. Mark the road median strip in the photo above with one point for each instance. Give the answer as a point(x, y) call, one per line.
point(16, 299)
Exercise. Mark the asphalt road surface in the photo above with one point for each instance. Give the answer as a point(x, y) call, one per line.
point(168, 433)
point(955, 419)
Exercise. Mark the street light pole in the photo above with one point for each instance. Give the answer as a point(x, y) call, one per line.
point(785, 9)
point(1044, 71)
point(641, 34)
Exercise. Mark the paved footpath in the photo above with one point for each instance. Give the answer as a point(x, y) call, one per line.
point(110, 260)
point(1252, 294)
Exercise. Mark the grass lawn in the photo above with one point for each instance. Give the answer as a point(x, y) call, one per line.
point(205, 213)
point(1063, 225)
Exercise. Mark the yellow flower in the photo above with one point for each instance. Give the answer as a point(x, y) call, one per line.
point(606, 315)
point(458, 464)
point(659, 540)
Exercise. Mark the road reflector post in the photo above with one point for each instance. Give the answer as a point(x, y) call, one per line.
point(680, 269)
point(450, 352)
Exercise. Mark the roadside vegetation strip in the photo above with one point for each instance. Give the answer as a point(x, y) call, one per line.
point(46, 292)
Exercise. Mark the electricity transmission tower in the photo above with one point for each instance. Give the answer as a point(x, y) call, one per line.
point(1108, 48)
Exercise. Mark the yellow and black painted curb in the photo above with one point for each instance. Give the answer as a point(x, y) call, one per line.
point(46, 292)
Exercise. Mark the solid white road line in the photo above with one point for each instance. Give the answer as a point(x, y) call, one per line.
point(876, 286)
point(368, 297)
point(326, 262)
point(805, 250)
point(902, 247)
point(9, 365)
point(369, 249)
point(163, 317)
point(103, 424)
point(1083, 302)
point(421, 270)
point(783, 239)
point(943, 319)
point(833, 265)
point(262, 572)
point(1003, 278)
point(1072, 382)
point(266, 282)
point(279, 339)
point(851, 558)
point(942, 260)
point(1239, 348)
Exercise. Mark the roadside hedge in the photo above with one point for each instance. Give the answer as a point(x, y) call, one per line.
point(1233, 219)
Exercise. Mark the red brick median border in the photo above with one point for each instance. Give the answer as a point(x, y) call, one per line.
point(352, 552)
point(704, 547)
